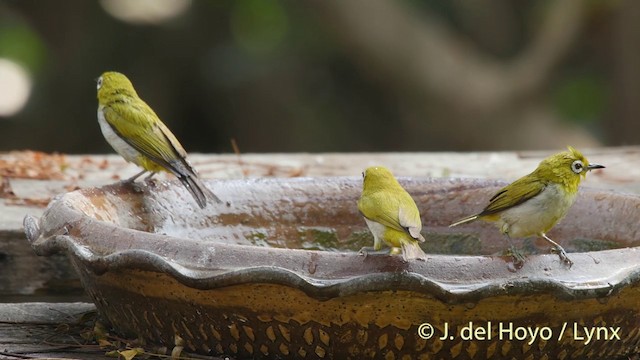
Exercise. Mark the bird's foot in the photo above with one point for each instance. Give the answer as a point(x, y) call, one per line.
point(127, 181)
point(130, 183)
point(562, 254)
point(148, 178)
point(137, 186)
point(370, 250)
point(365, 251)
point(557, 249)
point(517, 256)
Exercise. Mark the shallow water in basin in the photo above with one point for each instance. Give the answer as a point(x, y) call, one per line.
point(299, 214)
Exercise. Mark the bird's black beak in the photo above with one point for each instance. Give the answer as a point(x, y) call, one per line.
point(595, 166)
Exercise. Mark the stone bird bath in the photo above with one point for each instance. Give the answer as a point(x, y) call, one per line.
point(274, 273)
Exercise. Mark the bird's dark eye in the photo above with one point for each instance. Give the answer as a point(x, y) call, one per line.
point(363, 174)
point(99, 82)
point(577, 166)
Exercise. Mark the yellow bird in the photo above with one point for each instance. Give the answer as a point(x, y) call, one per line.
point(135, 132)
point(533, 204)
point(390, 213)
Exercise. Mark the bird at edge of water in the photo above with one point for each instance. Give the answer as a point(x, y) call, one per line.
point(534, 204)
point(135, 132)
point(390, 213)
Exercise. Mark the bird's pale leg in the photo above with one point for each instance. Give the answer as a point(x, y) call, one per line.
point(134, 177)
point(376, 249)
point(516, 255)
point(558, 250)
point(371, 250)
point(148, 177)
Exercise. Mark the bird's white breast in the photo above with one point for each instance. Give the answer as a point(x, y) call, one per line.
point(378, 231)
point(537, 214)
point(120, 146)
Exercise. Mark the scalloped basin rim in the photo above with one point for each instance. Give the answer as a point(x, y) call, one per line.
point(322, 274)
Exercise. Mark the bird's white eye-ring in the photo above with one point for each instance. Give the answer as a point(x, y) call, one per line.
point(577, 166)
point(99, 83)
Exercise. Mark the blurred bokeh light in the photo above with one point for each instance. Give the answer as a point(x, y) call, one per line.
point(145, 11)
point(15, 87)
point(258, 26)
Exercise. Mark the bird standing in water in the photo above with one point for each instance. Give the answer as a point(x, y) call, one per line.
point(135, 132)
point(533, 204)
point(390, 213)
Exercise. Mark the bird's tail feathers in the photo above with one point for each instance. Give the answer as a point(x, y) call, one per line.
point(199, 191)
point(411, 250)
point(465, 220)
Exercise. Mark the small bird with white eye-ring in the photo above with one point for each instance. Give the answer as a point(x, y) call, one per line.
point(533, 204)
point(135, 132)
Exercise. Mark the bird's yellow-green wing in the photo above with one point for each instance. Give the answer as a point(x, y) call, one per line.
point(388, 209)
point(409, 217)
point(514, 194)
point(140, 127)
point(380, 207)
point(172, 139)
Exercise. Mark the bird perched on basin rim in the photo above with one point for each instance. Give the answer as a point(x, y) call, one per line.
point(390, 213)
point(134, 130)
point(533, 204)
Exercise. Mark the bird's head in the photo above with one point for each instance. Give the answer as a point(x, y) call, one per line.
point(568, 167)
point(378, 177)
point(111, 84)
